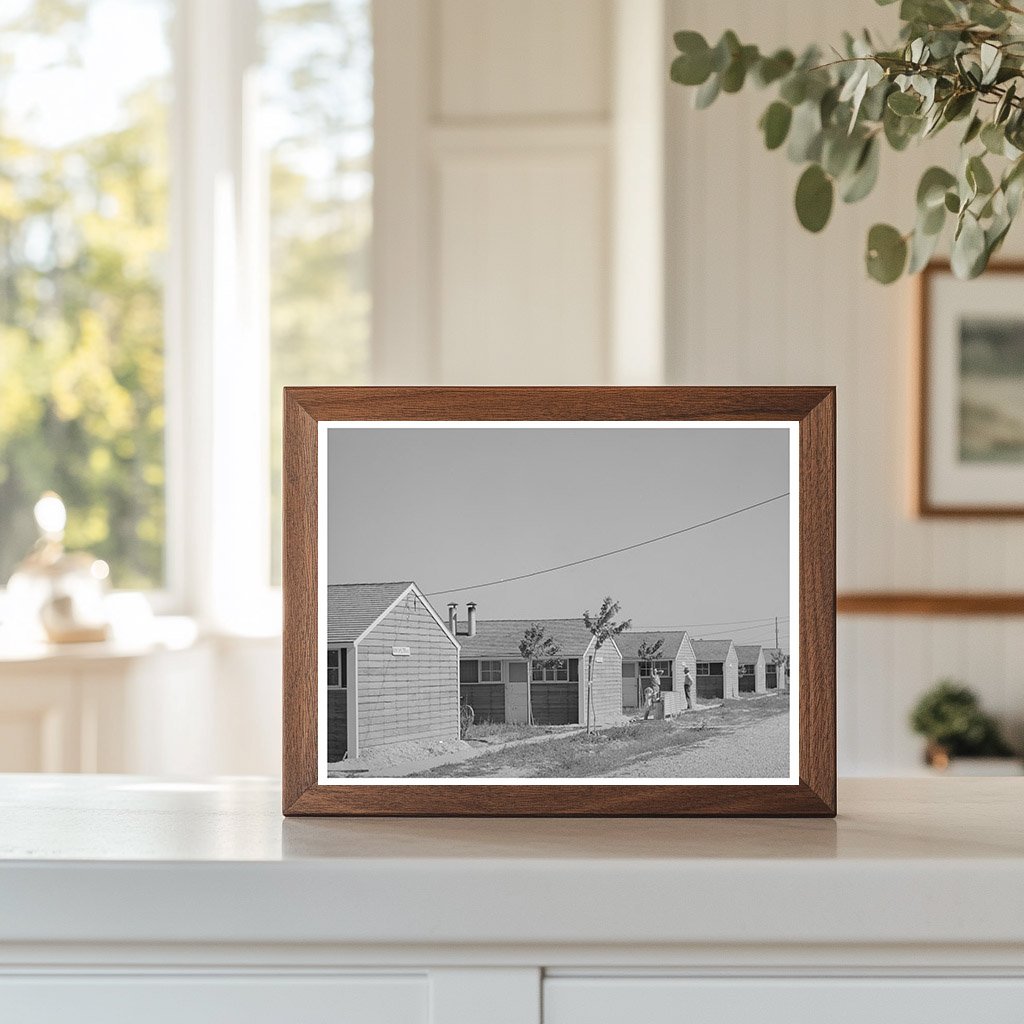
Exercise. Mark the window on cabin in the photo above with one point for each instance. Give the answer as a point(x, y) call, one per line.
point(490, 671)
point(337, 668)
point(703, 668)
point(561, 670)
point(469, 671)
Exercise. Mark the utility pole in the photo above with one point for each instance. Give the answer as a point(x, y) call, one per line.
point(777, 632)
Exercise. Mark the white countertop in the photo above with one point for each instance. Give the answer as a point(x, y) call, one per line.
point(121, 859)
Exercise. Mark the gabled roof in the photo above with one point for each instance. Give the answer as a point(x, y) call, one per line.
point(630, 641)
point(354, 608)
point(748, 653)
point(711, 650)
point(499, 638)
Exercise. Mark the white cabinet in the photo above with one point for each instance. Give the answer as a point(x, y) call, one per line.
point(828, 1000)
point(201, 999)
point(126, 899)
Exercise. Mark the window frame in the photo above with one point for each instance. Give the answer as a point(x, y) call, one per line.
point(487, 670)
point(551, 673)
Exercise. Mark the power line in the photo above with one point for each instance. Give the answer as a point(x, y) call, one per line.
point(724, 634)
point(735, 622)
point(606, 554)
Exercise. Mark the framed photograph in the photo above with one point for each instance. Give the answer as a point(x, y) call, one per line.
point(970, 450)
point(559, 601)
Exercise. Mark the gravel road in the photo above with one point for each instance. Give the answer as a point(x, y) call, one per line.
point(756, 749)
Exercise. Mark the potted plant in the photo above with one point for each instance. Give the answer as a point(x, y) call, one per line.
point(950, 718)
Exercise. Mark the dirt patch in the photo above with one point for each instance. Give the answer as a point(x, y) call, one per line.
point(626, 750)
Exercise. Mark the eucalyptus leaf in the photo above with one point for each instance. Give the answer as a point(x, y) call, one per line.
point(978, 176)
point(922, 247)
point(886, 253)
point(805, 133)
point(968, 248)
point(985, 14)
point(707, 93)
point(771, 69)
point(903, 103)
point(724, 51)
point(991, 60)
point(993, 138)
point(1005, 105)
point(775, 124)
point(865, 173)
point(931, 190)
point(814, 196)
point(973, 130)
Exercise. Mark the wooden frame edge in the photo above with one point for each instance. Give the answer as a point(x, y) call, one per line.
point(815, 794)
point(298, 597)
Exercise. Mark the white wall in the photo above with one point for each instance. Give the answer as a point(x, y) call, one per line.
point(754, 299)
point(498, 197)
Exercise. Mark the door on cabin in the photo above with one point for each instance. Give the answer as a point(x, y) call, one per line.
point(516, 706)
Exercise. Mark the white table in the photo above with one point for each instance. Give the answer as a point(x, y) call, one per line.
point(197, 902)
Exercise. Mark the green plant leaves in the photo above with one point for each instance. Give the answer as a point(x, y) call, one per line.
point(956, 60)
point(865, 173)
point(771, 69)
point(805, 133)
point(775, 122)
point(693, 65)
point(993, 138)
point(886, 254)
point(814, 196)
point(969, 255)
point(904, 103)
point(978, 176)
point(932, 189)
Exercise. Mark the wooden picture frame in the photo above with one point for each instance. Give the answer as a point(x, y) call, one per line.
point(811, 790)
point(933, 477)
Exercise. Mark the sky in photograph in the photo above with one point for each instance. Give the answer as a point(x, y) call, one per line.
point(461, 507)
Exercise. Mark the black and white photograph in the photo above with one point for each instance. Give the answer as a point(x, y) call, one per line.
point(530, 602)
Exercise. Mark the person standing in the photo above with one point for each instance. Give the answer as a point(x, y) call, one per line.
point(688, 687)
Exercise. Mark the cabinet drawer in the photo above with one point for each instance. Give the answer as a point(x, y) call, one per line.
point(660, 1000)
point(202, 999)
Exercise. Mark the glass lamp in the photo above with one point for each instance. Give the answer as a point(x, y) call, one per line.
point(55, 595)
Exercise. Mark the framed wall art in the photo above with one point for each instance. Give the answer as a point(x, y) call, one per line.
point(970, 444)
point(559, 601)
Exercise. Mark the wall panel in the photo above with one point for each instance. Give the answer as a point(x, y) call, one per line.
point(754, 299)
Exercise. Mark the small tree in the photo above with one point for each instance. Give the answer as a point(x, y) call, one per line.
point(535, 646)
point(604, 628)
point(648, 652)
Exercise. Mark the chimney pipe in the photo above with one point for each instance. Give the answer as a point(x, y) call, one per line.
point(471, 618)
point(453, 618)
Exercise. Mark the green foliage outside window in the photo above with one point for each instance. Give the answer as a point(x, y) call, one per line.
point(83, 230)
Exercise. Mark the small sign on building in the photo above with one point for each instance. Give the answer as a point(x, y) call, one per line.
point(401, 652)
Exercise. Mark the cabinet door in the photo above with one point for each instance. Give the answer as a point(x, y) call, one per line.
point(658, 1000)
point(205, 999)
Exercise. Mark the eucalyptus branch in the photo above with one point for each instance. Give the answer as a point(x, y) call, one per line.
point(955, 61)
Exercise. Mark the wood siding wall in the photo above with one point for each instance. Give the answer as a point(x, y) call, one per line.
point(607, 687)
point(685, 658)
point(407, 698)
point(731, 668)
